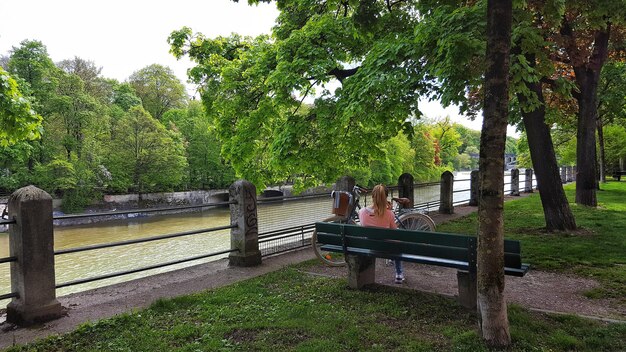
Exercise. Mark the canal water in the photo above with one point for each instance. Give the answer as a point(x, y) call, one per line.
point(271, 216)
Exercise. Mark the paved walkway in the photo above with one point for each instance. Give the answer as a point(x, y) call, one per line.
point(108, 301)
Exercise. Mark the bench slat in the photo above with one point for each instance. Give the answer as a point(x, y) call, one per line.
point(429, 250)
point(437, 238)
point(458, 264)
point(512, 246)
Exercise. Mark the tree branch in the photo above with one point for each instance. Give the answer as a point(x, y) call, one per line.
point(342, 74)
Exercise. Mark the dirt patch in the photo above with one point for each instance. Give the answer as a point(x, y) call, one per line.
point(537, 290)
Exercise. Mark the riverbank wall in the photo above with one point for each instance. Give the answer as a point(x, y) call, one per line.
point(182, 202)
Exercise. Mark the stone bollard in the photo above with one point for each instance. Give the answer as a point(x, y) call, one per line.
point(528, 182)
point(570, 176)
point(405, 188)
point(245, 236)
point(515, 182)
point(32, 243)
point(474, 188)
point(446, 193)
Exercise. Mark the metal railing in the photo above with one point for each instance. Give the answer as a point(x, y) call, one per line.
point(285, 223)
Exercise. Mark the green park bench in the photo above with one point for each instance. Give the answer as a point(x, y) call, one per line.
point(617, 174)
point(362, 245)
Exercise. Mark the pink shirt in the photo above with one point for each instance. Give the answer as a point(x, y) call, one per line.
point(367, 217)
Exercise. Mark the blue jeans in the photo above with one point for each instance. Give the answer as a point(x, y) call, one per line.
point(398, 265)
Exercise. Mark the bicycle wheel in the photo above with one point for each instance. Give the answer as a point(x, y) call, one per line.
point(416, 221)
point(329, 258)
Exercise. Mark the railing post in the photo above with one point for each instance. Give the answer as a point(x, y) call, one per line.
point(405, 188)
point(474, 188)
point(563, 175)
point(528, 182)
point(244, 237)
point(32, 243)
point(515, 182)
point(446, 193)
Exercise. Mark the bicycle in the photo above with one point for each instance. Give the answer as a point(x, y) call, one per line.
point(346, 208)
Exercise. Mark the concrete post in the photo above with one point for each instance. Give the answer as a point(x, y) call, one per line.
point(32, 243)
point(563, 174)
point(405, 188)
point(361, 270)
point(446, 193)
point(570, 176)
point(467, 289)
point(474, 188)
point(345, 183)
point(528, 182)
point(515, 182)
point(245, 236)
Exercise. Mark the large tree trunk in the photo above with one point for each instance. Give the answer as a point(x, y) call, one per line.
point(602, 156)
point(556, 210)
point(493, 319)
point(587, 71)
point(586, 178)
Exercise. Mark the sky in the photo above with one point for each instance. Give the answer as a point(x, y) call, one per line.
point(125, 36)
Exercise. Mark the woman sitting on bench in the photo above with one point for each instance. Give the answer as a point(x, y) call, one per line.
point(379, 215)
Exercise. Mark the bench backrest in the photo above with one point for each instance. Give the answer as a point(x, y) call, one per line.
point(446, 246)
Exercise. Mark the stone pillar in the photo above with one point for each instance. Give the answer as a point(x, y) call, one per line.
point(345, 183)
point(570, 176)
point(467, 289)
point(405, 188)
point(446, 193)
point(515, 182)
point(563, 174)
point(474, 188)
point(32, 243)
point(244, 237)
point(361, 270)
point(528, 182)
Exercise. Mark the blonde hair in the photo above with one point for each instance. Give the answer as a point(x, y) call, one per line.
point(379, 200)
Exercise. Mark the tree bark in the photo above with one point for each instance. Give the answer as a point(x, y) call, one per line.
point(587, 71)
point(556, 210)
point(586, 178)
point(602, 156)
point(492, 309)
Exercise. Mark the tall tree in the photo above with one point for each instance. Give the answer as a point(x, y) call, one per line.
point(90, 74)
point(143, 155)
point(454, 54)
point(159, 89)
point(583, 39)
point(493, 319)
point(18, 120)
point(31, 64)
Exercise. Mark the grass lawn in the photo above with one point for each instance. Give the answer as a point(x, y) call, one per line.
point(289, 310)
point(597, 250)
